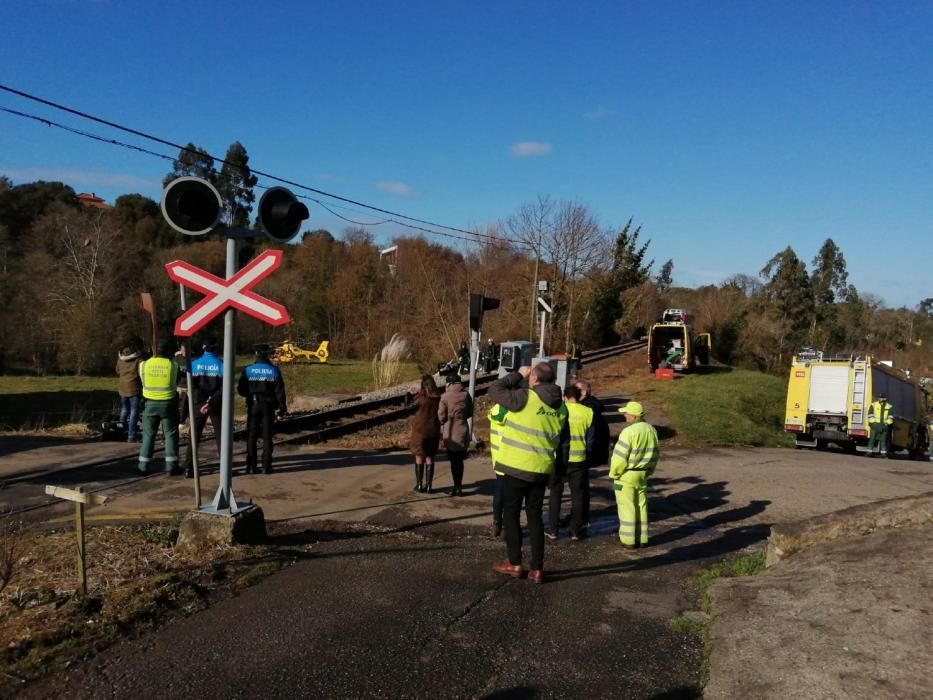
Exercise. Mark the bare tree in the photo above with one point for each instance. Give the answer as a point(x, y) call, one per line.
point(532, 224)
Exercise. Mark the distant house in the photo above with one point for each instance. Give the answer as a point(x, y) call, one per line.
point(92, 200)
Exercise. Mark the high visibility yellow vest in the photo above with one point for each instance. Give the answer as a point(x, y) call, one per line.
point(160, 376)
point(529, 437)
point(580, 418)
point(880, 414)
point(496, 420)
point(636, 451)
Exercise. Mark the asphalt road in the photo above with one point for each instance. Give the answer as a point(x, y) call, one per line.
point(419, 613)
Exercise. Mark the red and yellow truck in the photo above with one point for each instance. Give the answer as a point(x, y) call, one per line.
point(828, 399)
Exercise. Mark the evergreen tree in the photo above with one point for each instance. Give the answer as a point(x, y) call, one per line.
point(829, 283)
point(787, 299)
point(235, 183)
point(664, 279)
point(629, 270)
point(191, 161)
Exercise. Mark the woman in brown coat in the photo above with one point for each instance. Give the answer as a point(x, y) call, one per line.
point(455, 408)
point(425, 433)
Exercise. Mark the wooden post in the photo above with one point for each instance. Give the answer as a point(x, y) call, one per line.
point(80, 500)
point(79, 531)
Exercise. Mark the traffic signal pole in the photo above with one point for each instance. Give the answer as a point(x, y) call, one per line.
point(224, 498)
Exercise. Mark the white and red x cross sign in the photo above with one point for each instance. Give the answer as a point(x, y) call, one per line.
point(219, 294)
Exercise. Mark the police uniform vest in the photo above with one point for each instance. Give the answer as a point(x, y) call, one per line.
point(529, 437)
point(880, 414)
point(580, 418)
point(636, 450)
point(261, 378)
point(207, 372)
point(160, 377)
point(496, 420)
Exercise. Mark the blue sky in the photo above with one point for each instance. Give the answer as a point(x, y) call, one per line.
point(728, 130)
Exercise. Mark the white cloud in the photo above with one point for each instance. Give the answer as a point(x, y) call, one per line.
point(531, 149)
point(395, 187)
point(600, 113)
point(89, 178)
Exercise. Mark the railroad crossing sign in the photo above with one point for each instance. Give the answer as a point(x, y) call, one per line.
point(220, 294)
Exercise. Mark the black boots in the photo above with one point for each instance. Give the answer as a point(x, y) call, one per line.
point(428, 477)
point(419, 477)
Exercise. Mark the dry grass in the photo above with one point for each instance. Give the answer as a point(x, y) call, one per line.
point(387, 365)
point(136, 579)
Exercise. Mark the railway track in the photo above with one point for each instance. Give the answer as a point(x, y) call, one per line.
point(350, 416)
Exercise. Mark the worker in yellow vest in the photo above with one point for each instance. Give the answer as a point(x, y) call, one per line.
point(634, 459)
point(880, 420)
point(534, 428)
point(497, 415)
point(572, 466)
point(159, 375)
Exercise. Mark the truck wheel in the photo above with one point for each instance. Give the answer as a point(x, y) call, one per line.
point(821, 444)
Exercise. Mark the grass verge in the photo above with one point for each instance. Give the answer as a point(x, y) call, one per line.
point(741, 565)
point(136, 581)
point(722, 407)
point(44, 405)
point(698, 624)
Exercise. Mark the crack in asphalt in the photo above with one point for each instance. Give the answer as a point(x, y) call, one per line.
point(446, 627)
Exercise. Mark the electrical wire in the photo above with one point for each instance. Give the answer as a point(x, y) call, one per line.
point(146, 151)
point(84, 115)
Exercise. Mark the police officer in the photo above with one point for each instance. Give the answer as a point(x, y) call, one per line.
point(880, 420)
point(207, 372)
point(159, 375)
point(262, 385)
point(534, 428)
point(633, 460)
point(496, 417)
point(573, 467)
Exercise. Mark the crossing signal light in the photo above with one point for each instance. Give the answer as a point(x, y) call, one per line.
point(478, 305)
point(281, 214)
point(191, 206)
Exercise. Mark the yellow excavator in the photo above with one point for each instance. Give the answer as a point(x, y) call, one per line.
point(288, 351)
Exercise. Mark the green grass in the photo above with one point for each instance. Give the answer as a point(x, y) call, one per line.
point(32, 403)
point(687, 625)
point(733, 407)
point(337, 377)
point(742, 565)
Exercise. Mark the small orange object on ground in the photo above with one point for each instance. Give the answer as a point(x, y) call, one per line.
point(664, 374)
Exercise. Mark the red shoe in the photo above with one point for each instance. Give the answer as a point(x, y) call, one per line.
point(536, 576)
point(509, 569)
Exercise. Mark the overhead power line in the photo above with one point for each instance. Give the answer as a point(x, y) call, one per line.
point(156, 139)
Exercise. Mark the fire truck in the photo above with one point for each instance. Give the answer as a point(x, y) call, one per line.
point(829, 396)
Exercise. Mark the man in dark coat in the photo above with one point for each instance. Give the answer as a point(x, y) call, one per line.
point(262, 385)
point(207, 372)
point(600, 454)
point(535, 427)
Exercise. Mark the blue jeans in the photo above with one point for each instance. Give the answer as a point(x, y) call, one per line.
point(129, 414)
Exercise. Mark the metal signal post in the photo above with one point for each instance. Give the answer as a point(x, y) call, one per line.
point(192, 206)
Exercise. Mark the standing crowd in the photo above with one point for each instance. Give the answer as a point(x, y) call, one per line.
point(154, 385)
point(540, 438)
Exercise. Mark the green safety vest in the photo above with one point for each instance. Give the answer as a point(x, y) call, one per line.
point(581, 418)
point(160, 376)
point(880, 414)
point(529, 437)
point(496, 420)
point(636, 451)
